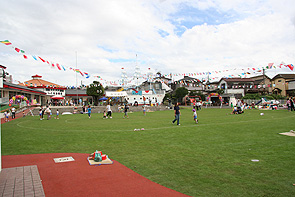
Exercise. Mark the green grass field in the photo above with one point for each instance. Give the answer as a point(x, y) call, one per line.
point(212, 158)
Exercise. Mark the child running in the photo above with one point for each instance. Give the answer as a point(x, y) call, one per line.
point(89, 111)
point(195, 116)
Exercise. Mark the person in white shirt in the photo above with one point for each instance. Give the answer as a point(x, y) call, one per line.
point(109, 111)
point(13, 112)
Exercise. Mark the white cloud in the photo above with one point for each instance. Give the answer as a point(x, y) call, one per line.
point(99, 31)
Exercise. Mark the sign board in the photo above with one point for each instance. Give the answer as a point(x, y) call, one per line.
point(116, 94)
point(63, 159)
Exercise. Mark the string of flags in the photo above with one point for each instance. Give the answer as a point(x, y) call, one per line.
point(50, 63)
point(203, 76)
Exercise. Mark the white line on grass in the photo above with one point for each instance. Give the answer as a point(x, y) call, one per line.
point(157, 128)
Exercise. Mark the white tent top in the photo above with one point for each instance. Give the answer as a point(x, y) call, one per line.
point(116, 94)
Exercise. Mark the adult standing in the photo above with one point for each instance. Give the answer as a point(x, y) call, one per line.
point(109, 111)
point(292, 104)
point(48, 111)
point(176, 113)
point(125, 111)
point(13, 112)
point(289, 104)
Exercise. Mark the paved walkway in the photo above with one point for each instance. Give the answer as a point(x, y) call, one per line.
point(21, 181)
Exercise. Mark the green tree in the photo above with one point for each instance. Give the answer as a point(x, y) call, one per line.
point(95, 90)
point(180, 93)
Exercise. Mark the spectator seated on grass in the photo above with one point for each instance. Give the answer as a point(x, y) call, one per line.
point(237, 110)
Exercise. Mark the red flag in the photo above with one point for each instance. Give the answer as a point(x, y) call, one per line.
point(57, 65)
point(41, 59)
point(290, 66)
point(17, 50)
point(25, 56)
point(52, 65)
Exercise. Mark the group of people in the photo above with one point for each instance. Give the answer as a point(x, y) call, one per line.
point(6, 114)
point(106, 114)
point(290, 104)
point(47, 111)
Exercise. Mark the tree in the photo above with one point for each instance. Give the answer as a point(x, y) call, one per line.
point(180, 93)
point(95, 90)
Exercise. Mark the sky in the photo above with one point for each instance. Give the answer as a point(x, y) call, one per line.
point(167, 36)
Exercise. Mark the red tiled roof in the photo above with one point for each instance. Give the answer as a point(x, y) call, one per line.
point(38, 82)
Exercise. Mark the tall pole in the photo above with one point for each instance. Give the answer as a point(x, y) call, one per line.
point(77, 78)
point(263, 73)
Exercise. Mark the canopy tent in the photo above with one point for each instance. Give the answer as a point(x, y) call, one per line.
point(57, 97)
point(103, 99)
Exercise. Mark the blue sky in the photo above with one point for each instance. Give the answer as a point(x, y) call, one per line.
point(188, 17)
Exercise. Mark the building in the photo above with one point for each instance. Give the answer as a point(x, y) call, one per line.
point(283, 84)
point(190, 83)
point(262, 85)
point(77, 96)
point(10, 90)
point(50, 89)
point(236, 87)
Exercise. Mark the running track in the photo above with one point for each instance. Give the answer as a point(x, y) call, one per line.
point(78, 178)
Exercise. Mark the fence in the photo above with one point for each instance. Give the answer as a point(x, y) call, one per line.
point(249, 101)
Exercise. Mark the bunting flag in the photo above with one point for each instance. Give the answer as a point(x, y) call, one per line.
point(270, 65)
point(6, 42)
point(58, 67)
point(290, 66)
point(34, 57)
point(150, 76)
point(63, 67)
point(41, 59)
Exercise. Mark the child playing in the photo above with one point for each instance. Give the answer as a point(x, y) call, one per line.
point(57, 113)
point(144, 110)
point(195, 116)
point(104, 115)
point(89, 111)
point(125, 111)
point(6, 116)
point(40, 113)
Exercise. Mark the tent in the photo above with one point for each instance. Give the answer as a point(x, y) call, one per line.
point(103, 99)
point(56, 97)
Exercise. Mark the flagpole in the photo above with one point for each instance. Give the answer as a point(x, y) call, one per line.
point(77, 77)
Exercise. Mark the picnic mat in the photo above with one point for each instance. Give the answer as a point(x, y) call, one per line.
point(288, 134)
point(92, 162)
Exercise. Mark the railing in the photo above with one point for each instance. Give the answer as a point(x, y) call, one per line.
point(4, 100)
point(249, 101)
